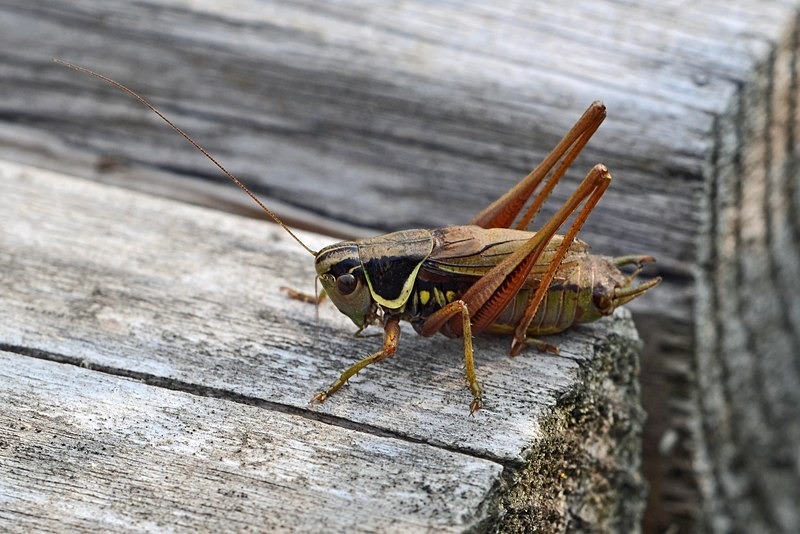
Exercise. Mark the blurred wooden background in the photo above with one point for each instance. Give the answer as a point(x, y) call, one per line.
point(355, 118)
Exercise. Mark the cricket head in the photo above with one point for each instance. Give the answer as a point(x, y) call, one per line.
point(372, 274)
point(341, 274)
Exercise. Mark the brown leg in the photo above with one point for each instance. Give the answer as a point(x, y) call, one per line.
point(541, 346)
point(390, 341)
point(491, 293)
point(304, 297)
point(502, 212)
point(599, 187)
point(442, 316)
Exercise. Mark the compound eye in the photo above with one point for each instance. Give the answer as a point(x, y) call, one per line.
point(346, 284)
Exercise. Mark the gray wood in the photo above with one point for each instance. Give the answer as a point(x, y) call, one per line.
point(81, 450)
point(188, 298)
point(749, 317)
point(355, 117)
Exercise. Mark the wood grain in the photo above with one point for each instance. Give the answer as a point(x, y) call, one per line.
point(189, 299)
point(81, 450)
point(749, 344)
point(359, 118)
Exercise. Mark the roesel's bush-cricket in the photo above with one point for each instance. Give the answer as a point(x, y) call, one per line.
point(482, 277)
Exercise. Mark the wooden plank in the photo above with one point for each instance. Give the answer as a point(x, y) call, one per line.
point(336, 96)
point(748, 351)
point(189, 298)
point(82, 451)
point(354, 117)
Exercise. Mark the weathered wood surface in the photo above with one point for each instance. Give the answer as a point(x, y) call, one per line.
point(82, 450)
point(748, 343)
point(122, 285)
point(354, 116)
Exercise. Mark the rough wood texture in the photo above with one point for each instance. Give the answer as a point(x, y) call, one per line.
point(85, 451)
point(188, 299)
point(748, 358)
point(354, 115)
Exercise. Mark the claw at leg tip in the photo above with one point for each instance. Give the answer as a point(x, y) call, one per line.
point(516, 346)
point(474, 406)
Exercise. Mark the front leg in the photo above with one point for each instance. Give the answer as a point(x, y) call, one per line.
point(391, 338)
point(304, 297)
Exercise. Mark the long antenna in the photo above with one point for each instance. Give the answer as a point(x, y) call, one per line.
point(149, 106)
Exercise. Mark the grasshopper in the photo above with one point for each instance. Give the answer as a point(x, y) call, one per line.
point(481, 277)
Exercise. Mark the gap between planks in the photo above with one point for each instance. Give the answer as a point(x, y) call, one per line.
point(227, 395)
